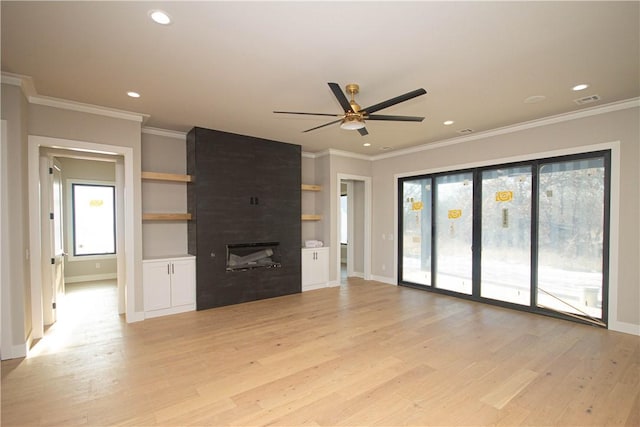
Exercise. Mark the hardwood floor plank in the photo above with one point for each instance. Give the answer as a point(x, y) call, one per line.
point(504, 392)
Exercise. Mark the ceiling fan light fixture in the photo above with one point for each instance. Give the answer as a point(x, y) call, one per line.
point(352, 123)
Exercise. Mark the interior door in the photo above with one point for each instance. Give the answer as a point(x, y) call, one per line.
point(57, 233)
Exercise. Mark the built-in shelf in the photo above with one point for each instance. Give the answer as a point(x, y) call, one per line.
point(311, 187)
point(159, 176)
point(309, 217)
point(172, 177)
point(166, 216)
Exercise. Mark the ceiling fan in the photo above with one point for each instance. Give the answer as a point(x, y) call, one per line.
point(354, 116)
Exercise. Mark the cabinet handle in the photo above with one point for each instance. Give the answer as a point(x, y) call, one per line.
point(173, 268)
point(168, 269)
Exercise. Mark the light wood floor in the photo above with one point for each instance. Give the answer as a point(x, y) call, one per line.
point(365, 353)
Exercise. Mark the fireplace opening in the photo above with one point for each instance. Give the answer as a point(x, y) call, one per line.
point(247, 256)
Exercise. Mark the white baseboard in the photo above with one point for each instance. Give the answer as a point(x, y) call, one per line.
point(384, 279)
point(137, 316)
point(627, 328)
point(313, 287)
point(16, 351)
point(169, 311)
point(358, 274)
point(90, 278)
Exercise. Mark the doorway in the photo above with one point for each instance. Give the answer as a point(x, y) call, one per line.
point(353, 227)
point(79, 228)
point(123, 158)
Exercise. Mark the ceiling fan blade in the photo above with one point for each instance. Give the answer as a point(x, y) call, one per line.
point(308, 114)
point(339, 94)
point(363, 131)
point(394, 118)
point(393, 101)
point(321, 126)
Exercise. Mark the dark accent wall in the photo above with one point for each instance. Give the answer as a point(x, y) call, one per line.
point(246, 190)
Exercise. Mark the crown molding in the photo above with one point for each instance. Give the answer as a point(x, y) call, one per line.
point(565, 117)
point(341, 153)
point(165, 132)
point(25, 83)
point(88, 108)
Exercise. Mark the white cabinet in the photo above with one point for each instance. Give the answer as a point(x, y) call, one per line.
point(315, 268)
point(169, 285)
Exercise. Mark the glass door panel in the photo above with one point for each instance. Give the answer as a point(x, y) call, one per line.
point(571, 235)
point(454, 232)
point(506, 235)
point(416, 231)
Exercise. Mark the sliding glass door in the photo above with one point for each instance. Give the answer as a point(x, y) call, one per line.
point(416, 234)
point(531, 235)
point(454, 232)
point(571, 236)
point(506, 234)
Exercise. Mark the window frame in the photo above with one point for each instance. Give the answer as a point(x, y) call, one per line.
point(70, 221)
point(606, 153)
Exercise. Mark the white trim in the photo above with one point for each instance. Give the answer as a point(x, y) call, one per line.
point(367, 221)
point(34, 144)
point(315, 287)
point(87, 108)
point(350, 227)
point(614, 209)
point(6, 313)
point(90, 278)
point(385, 279)
point(25, 83)
point(308, 155)
point(169, 311)
point(165, 132)
point(624, 327)
point(341, 153)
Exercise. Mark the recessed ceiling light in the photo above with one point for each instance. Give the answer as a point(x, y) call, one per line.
point(535, 99)
point(448, 122)
point(366, 144)
point(133, 94)
point(580, 87)
point(160, 17)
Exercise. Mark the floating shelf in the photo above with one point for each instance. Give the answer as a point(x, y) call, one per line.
point(159, 176)
point(309, 217)
point(166, 216)
point(311, 187)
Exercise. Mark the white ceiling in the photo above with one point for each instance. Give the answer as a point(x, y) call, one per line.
point(228, 65)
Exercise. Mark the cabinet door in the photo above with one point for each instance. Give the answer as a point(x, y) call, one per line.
point(156, 280)
point(322, 265)
point(308, 263)
point(315, 267)
point(183, 288)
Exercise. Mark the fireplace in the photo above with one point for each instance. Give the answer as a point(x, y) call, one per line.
point(249, 256)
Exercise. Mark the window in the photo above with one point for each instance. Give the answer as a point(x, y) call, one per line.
point(530, 235)
point(93, 216)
